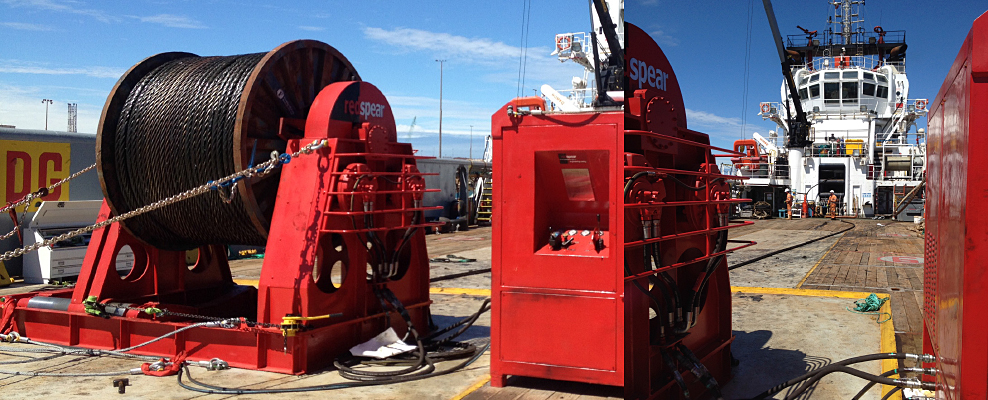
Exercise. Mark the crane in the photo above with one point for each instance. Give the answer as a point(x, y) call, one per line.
point(411, 127)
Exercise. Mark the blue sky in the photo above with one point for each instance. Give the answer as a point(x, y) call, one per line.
point(705, 43)
point(74, 51)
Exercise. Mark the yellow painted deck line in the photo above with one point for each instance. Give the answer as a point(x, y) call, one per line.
point(819, 261)
point(473, 388)
point(887, 335)
point(469, 292)
point(247, 282)
point(888, 346)
point(804, 292)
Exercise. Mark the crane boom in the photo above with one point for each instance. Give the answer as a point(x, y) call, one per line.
point(799, 126)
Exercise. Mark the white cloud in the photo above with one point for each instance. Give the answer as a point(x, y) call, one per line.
point(500, 60)
point(709, 119)
point(173, 21)
point(312, 28)
point(662, 38)
point(25, 26)
point(19, 67)
point(463, 49)
point(61, 6)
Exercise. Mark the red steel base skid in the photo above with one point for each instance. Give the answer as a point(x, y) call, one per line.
point(955, 278)
point(593, 208)
point(361, 181)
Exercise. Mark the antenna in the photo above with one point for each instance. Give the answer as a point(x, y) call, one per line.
point(73, 114)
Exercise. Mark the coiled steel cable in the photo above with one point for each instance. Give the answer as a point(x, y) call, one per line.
point(175, 131)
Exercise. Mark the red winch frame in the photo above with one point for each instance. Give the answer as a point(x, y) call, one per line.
point(361, 181)
point(568, 242)
point(956, 246)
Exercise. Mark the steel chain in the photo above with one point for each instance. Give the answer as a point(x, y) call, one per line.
point(38, 194)
point(260, 170)
point(205, 317)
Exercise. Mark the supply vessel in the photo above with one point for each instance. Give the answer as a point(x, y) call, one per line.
point(845, 122)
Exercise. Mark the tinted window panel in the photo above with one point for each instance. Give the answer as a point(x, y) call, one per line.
point(868, 89)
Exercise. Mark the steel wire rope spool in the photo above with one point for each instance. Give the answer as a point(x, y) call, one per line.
point(175, 121)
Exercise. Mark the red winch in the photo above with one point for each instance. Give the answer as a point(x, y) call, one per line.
point(608, 249)
point(339, 218)
point(956, 244)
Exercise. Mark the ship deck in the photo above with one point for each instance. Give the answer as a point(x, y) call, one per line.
point(789, 317)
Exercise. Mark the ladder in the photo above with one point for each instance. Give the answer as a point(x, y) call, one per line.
point(485, 208)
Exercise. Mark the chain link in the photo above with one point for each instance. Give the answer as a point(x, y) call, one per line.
point(259, 170)
point(40, 193)
point(44, 192)
point(202, 317)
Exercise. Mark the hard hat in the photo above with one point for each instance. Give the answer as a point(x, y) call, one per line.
point(787, 190)
point(831, 191)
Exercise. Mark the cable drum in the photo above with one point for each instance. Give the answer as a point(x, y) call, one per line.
point(176, 121)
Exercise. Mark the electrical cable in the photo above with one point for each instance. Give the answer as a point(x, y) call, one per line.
point(891, 393)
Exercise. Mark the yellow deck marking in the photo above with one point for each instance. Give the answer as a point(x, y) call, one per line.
point(888, 346)
point(819, 261)
point(469, 292)
point(473, 388)
point(247, 282)
point(887, 341)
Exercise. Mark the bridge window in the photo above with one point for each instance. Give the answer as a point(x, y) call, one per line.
point(868, 89)
point(849, 92)
point(815, 91)
point(831, 75)
point(803, 94)
point(883, 92)
point(850, 75)
point(881, 78)
point(831, 92)
point(869, 76)
point(814, 78)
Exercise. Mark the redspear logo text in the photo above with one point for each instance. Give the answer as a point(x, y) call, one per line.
point(647, 75)
point(364, 108)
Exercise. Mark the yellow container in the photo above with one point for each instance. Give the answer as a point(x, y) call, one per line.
point(854, 144)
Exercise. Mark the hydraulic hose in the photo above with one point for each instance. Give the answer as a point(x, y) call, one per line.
point(854, 360)
point(924, 371)
point(772, 253)
point(858, 373)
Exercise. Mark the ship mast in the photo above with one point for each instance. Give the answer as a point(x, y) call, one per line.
point(845, 12)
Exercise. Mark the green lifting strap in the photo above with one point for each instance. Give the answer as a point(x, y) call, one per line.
point(870, 306)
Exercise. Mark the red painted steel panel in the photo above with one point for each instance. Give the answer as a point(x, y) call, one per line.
point(956, 299)
point(573, 309)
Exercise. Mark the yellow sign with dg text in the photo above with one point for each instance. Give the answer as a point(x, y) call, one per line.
point(29, 166)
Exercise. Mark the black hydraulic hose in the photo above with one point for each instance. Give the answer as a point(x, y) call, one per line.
point(671, 365)
point(720, 246)
point(887, 374)
point(662, 285)
point(852, 371)
point(772, 253)
point(700, 371)
point(210, 389)
point(854, 360)
point(660, 307)
point(669, 282)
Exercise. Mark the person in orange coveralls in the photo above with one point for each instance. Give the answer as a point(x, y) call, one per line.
point(788, 204)
point(833, 205)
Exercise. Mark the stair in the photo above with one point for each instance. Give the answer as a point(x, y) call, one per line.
point(485, 210)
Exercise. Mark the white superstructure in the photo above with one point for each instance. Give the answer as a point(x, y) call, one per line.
point(863, 140)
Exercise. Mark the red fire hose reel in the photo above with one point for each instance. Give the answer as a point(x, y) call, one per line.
point(352, 207)
point(608, 260)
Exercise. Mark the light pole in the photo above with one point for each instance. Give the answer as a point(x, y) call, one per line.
point(471, 142)
point(46, 103)
point(441, 107)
